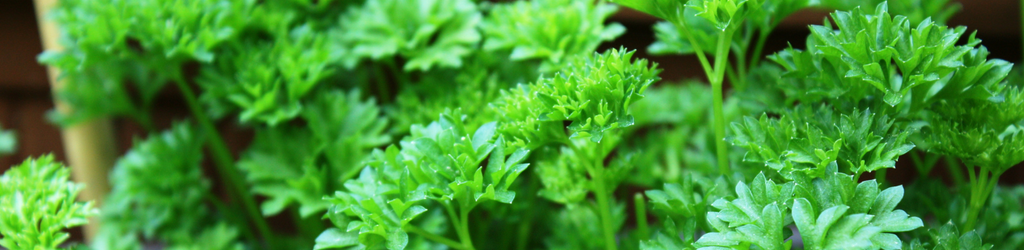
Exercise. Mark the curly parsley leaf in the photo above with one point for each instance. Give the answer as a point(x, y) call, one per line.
point(442, 162)
point(37, 203)
point(524, 29)
point(873, 54)
point(671, 237)
point(830, 211)
point(948, 237)
point(298, 166)
point(985, 133)
point(426, 33)
point(808, 140)
point(159, 190)
point(756, 217)
point(916, 10)
point(267, 81)
point(119, 54)
point(592, 93)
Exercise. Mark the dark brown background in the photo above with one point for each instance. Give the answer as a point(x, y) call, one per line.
point(25, 93)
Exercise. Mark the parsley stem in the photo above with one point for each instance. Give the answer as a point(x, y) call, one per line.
point(467, 241)
point(981, 188)
point(461, 224)
point(721, 57)
point(602, 196)
point(641, 215)
point(696, 47)
point(762, 37)
point(434, 237)
point(954, 170)
point(223, 160)
point(604, 208)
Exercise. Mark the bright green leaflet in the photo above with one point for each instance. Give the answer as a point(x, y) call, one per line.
point(37, 203)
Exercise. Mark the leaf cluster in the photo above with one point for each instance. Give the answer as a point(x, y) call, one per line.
point(37, 203)
point(299, 165)
point(808, 140)
point(873, 55)
point(831, 211)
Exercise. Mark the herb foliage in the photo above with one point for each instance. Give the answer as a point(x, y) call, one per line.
point(457, 124)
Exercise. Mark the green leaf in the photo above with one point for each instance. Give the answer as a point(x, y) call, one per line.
point(670, 239)
point(218, 237)
point(808, 140)
point(524, 29)
point(334, 238)
point(427, 33)
point(877, 56)
point(440, 161)
point(983, 133)
point(948, 237)
point(593, 95)
point(299, 165)
point(755, 217)
point(268, 82)
point(37, 203)
point(158, 187)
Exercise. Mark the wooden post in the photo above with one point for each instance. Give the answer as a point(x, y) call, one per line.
point(88, 146)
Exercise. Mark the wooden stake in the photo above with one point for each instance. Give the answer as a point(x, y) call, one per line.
point(89, 146)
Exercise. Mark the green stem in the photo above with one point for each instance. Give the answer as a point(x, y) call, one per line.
point(762, 37)
point(721, 57)
point(460, 223)
point(224, 162)
point(954, 170)
point(524, 235)
point(641, 216)
point(467, 241)
point(740, 52)
point(602, 196)
point(431, 236)
point(604, 208)
point(696, 48)
point(981, 188)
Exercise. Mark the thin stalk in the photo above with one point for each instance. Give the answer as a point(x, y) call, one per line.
point(467, 241)
point(740, 52)
point(604, 208)
point(762, 37)
point(224, 162)
point(880, 175)
point(721, 57)
point(641, 216)
point(980, 192)
point(696, 48)
point(954, 170)
point(434, 237)
point(459, 222)
point(732, 76)
point(603, 197)
point(524, 234)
